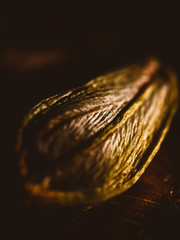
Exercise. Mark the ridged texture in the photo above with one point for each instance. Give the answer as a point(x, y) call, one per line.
point(95, 141)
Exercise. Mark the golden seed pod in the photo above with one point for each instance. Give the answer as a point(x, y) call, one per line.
point(95, 141)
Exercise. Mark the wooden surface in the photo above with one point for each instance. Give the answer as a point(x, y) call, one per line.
point(149, 210)
point(35, 68)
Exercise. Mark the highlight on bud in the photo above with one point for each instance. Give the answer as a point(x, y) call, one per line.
point(95, 141)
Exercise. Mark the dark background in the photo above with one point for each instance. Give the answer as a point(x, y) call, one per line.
point(47, 51)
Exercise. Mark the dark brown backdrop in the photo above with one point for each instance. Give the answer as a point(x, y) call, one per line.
point(49, 51)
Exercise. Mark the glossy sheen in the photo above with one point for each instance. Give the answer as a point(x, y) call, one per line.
point(95, 141)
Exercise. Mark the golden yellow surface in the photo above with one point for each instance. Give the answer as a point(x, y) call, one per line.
point(114, 160)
